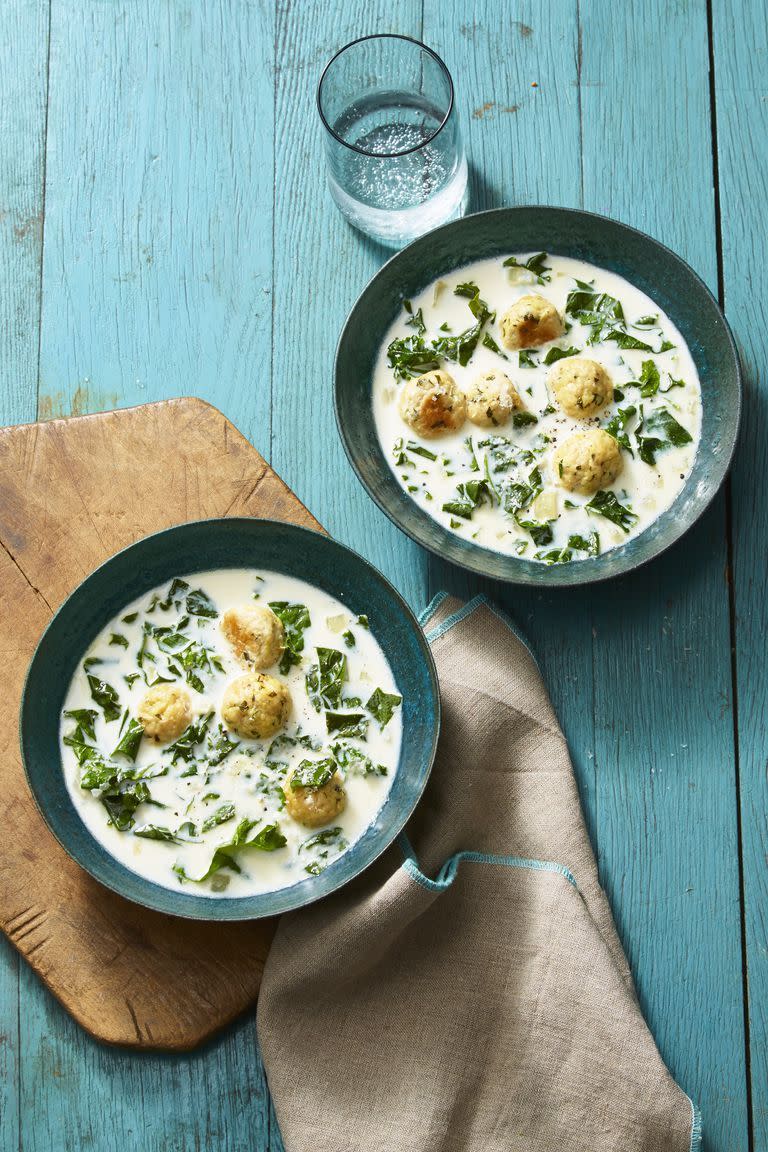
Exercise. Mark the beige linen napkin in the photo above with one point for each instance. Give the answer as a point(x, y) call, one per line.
point(469, 991)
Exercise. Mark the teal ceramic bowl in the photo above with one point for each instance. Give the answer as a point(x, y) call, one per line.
point(644, 262)
point(230, 543)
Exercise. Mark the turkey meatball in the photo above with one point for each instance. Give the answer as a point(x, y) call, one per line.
point(314, 807)
point(256, 705)
point(256, 635)
point(581, 387)
point(530, 321)
point(492, 399)
point(433, 404)
point(588, 461)
point(164, 712)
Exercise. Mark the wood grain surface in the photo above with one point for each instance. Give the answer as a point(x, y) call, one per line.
point(170, 155)
point(72, 493)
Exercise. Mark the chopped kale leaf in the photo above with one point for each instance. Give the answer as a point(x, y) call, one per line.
point(607, 504)
point(382, 705)
point(658, 431)
point(325, 680)
point(313, 773)
point(295, 620)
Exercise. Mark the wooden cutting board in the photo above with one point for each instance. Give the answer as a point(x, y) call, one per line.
point(72, 492)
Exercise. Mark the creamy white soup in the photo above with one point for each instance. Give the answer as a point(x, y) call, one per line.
point(231, 732)
point(538, 405)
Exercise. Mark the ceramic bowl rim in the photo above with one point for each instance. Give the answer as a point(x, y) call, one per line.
point(239, 908)
point(471, 558)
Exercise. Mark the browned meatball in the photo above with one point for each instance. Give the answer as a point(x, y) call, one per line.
point(256, 705)
point(530, 321)
point(164, 712)
point(433, 404)
point(581, 387)
point(314, 807)
point(255, 633)
point(588, 461)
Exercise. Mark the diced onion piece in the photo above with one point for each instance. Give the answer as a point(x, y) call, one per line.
point(518, 275)
point(544, 506)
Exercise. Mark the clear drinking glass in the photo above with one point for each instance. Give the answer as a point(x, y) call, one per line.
point(396, 165)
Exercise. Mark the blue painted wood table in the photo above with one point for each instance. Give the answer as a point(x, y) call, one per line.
point(165, 231)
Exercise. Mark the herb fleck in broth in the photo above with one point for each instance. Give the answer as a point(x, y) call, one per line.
point(207, 810)
point(508, 485)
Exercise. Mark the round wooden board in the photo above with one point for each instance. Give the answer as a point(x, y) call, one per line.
point(73, 492)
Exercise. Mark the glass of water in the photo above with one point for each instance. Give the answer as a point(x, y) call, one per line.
point(396, 165)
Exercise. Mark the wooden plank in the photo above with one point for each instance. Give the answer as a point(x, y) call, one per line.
point(517, 85)
point(158, 283)
point(663, 734)
point(740, 43)
point(80, 1094)
point(648, 834)
point(10, 1121)
point(157, 274)
point(23, 59)
point(321, 266)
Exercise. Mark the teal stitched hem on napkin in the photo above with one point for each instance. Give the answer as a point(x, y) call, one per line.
point(447, 873)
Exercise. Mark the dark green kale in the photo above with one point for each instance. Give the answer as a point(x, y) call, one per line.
point(410, 356)
point(325, 680)
point(556, 556)
point(606, 504)
point(469, 495)
point(657, 431)
point(649, 379)
point(625, 341)
point(173, 597)
point(523, 419)
point(589, 544)
point(219, 747)
point(599, 311)
point(382, 705)
point(155, 832)
point(313, 773)
point(536, 264)
point(105, 696)
point(194, 734)
point(352, 725)
point(220, 816)
point(199, 603)
point(324, 838)
point(268, 839)
point(556, 354)
point(415, 319)
point(295, 620)
point(122, 799)
point(489, 342)
point(130, 740)
point(355, 762)
point(540, 531)
point(85, 719)
point(515, 497)
point(617, 427)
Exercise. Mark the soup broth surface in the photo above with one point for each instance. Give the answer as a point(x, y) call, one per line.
point(501, 486)
point(207, 810)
